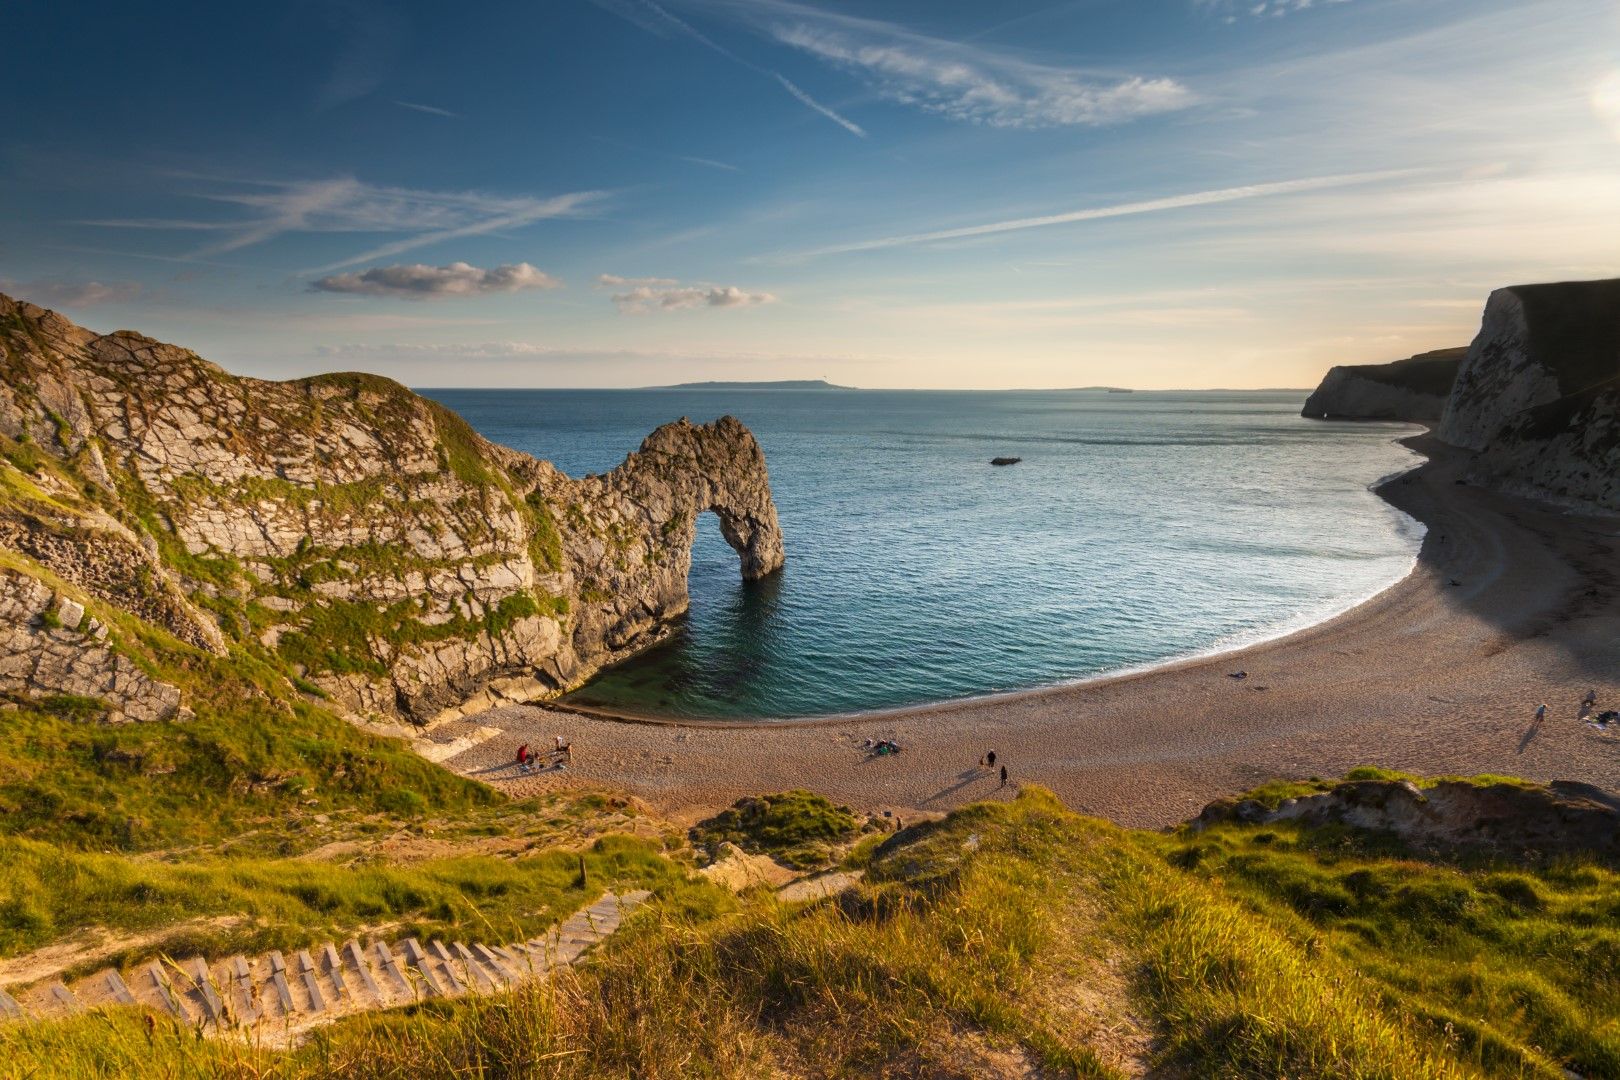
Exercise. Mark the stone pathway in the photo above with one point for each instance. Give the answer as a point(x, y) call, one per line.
point(278, 996)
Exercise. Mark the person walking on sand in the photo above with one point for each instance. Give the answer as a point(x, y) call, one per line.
point(1541, 712)
point(990, 759)
point(1004, 776)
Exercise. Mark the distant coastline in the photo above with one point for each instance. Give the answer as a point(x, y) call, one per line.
point(779, 384)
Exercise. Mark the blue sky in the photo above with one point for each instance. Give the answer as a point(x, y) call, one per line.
point(1154, 193)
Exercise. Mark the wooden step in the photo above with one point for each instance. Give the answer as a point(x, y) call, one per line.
point(240, 989)
point(474, 974)
point(332, 967)
point(159, 989)
point(389, 972)
point(60, 1000)
point(278, 983)
point(116, 988)
point(416, 959)
point(495, 965)
point(201, 990)
point(312, 986)
point(354, 963)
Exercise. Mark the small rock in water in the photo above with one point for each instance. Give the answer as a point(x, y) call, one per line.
point(1005, 460)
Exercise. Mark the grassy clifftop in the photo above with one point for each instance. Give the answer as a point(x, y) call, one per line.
point(1022, 940)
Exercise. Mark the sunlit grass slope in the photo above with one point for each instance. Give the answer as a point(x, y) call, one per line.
point(1020, 939)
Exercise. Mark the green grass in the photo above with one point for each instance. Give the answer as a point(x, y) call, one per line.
point(799, 829)
point(250, 760)
point(1021, 930)
point(1517, 968)
point(215, 906)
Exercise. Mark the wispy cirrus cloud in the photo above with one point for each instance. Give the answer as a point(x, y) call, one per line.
point(960, 80)
point(648, 295)
point(370, 36)
point(431, 110)
point(981, 87)
point(268, 209)
point(71, 294)
point(615, 281)
point(418, 281)
point(1145, 206)
point(658, 20)
point(1232, 10)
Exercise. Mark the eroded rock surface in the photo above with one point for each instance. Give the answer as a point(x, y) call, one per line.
point(363, 537)
point(51, 651)
point(1510, 820)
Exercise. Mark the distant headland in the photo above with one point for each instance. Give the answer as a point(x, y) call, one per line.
point(780, 384)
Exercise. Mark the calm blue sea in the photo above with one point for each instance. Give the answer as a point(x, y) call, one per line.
point(1139, 528)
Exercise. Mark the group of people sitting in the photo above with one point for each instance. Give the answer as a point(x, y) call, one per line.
point(881, 748)
point(559, 756)
point(1603, 719)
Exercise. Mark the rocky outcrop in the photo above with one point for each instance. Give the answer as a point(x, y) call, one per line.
point(54, 654)
point(361, 537)
point(1412, 390)
point(1509, 820)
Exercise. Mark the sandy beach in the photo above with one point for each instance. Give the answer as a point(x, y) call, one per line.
point(1512, 603)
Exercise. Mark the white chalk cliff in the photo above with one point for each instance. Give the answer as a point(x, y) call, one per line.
point(1536, 396)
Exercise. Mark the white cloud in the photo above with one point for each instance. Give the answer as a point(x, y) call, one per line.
point(609, 281)
point(418, 281)
point(963, 81)
point(1148, 206)
point(72, 294)
point(1261, 9)
point(643, 299)
point(982, 86)
point(273, 208)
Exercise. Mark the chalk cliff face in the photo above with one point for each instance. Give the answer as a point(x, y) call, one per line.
point(1414, 390)
point(355, 535)
point(1539, 393)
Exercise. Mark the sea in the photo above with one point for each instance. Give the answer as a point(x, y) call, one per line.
point(1139, 528)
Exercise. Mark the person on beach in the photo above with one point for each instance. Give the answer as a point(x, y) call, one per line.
point(1004, 776)
point(1590, 699)
point(559, 742)
point(990, 759)
point(523, 755)
point(1541, 712)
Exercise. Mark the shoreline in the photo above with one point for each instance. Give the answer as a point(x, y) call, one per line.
point(1213, 653)
point(1507, 601)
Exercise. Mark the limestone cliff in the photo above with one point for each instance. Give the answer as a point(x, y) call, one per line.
point(359, 537)
point(1414, 390)
point(1539, 393)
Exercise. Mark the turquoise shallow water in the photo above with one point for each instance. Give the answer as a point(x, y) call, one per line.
point(1139, 528)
